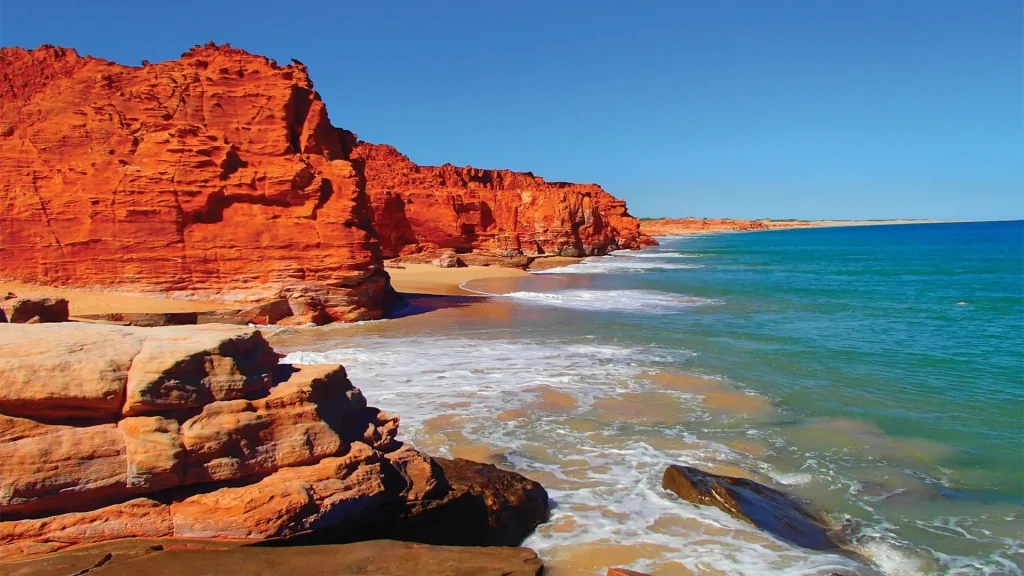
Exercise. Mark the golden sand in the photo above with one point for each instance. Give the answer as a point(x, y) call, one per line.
point(429, 279)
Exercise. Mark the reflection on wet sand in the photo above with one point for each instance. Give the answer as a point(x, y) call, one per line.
point(662, 408)
point(592, 557)
point(716, 394)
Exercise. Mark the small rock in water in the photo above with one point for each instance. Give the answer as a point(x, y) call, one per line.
point(773, 511)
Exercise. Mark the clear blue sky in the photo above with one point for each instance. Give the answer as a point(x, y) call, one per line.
point(784, 109)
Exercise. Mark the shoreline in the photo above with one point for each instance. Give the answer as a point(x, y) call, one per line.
point(665, 227)
point(429, 280)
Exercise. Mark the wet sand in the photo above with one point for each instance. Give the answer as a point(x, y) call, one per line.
point(81, 301)
point(597, 432)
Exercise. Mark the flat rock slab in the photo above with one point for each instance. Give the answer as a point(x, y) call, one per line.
point(770, 510)
point(144, 319)
point(202, 558)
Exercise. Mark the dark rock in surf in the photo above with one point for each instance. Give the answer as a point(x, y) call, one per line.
point(509, 506)
point(775, 512)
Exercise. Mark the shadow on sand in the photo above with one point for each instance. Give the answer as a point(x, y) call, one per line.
point(413, 304)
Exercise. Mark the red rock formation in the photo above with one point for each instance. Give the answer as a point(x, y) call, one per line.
point(675, 226)
point(217, 175)
point(110, 432)
point(498, 212)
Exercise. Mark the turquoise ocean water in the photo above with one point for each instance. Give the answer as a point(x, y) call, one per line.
point(878, 371)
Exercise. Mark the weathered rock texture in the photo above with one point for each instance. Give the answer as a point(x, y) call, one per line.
point(217, 175)
point(31, 310)
point(111, 432)
point(201, 558)
point(497, 212)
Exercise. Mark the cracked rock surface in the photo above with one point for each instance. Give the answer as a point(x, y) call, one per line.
point(216, 176)
point(197, 432)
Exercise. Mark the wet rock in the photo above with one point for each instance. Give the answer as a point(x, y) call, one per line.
point(155, 557)
point(449, 260)
point(775, 512)
point(452, 502)
point(24, 310)
point(509, 505)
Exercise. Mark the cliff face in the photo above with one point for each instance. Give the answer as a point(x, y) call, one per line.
point(496, 212)
point(217, 175)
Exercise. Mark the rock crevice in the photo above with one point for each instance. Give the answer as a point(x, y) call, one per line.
point(195, 177)
point(110, 432)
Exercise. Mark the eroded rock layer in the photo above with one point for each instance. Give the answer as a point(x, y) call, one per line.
point(497, 212)
point(217, 175)
point(111, 432)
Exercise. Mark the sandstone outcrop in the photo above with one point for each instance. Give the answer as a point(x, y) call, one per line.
point(200, 558)
point(32, 310)
point(216, 176)
point(448, 260)
point(775, 512)
point(496, 212)
point(110, 432)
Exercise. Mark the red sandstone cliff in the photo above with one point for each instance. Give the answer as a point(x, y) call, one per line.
point(217, 175)
point(496, 212)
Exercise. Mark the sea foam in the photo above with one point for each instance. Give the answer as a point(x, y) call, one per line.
point(617, 265)
point(637, 301)
point(602, 471)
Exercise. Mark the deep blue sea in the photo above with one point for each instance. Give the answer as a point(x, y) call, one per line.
point(877, 371)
